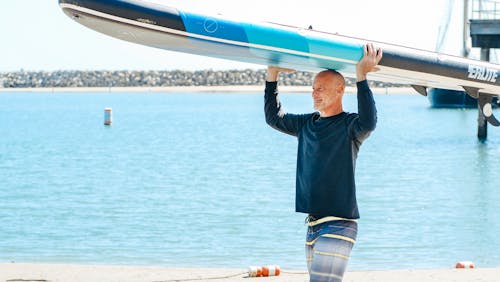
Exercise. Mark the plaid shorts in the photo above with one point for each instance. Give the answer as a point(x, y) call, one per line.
point(328, 247)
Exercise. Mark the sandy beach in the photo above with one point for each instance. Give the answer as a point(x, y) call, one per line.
point(26, 272)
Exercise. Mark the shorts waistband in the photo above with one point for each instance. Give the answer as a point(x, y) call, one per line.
point(313, 220)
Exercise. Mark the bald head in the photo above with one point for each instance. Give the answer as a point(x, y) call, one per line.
point(334, 75)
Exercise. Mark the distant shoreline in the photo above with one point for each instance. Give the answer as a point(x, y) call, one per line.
point(195, 89)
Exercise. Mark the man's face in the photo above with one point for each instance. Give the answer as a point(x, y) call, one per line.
point(327, 90)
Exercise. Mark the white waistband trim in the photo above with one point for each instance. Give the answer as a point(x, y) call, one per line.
point(329, 218)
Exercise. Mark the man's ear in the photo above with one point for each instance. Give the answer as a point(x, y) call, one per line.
point(341, 88)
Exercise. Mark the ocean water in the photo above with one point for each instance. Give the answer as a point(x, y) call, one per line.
point(200, 180)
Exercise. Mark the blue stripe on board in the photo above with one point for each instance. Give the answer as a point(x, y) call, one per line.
point(214, 27)
point(328, 46)
point(263, 35)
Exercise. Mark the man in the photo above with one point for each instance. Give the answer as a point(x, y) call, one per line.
point(328, 145)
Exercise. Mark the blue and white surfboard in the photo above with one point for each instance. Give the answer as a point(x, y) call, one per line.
point(168, 28)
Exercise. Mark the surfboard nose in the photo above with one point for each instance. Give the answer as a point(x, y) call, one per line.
point(134, 10)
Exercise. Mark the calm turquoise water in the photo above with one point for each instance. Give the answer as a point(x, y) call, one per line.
point(201, 180)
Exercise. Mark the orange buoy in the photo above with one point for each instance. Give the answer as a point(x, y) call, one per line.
point(264, 271)
point(255, 271)
point(465, 264)
point(270, 270)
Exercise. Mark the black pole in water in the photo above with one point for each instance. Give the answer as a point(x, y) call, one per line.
point(482, 125)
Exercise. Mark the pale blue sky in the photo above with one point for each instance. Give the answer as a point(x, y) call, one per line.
point(37, 35)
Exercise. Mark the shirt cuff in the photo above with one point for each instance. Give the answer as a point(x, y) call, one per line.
point(362, 85)
point(271, 86)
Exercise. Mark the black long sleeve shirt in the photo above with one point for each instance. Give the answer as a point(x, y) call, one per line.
point(327, 152)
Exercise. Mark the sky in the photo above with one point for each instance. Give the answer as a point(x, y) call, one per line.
point(37, 35)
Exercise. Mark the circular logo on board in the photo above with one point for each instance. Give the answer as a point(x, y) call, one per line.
point(210, 25)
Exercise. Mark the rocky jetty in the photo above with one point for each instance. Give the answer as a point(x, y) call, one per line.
point(125, 78)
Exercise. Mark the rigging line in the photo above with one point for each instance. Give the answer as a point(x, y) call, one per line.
point(443, 28)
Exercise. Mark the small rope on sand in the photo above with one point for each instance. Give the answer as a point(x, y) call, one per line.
point(294, 272)
point(205, 278)
point(27, 280)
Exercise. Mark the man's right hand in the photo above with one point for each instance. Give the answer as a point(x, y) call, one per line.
point(273, 73)
point(369, 62)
